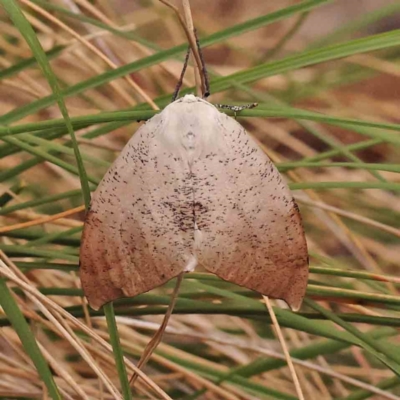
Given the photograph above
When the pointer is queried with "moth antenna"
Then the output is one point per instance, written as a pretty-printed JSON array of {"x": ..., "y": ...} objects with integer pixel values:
[
  {"x": 236, "y": 109},
  {"x": 204, "y": 72},
  {"x": 180, "y": 81},
  {"x": 156, "y": 339}
]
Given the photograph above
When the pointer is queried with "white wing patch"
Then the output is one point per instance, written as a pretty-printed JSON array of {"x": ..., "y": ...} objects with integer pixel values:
[{"x": 191, "y": 186}]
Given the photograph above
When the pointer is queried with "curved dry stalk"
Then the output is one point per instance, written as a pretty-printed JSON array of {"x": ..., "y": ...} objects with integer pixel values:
[{"x": 152, "y": 345}]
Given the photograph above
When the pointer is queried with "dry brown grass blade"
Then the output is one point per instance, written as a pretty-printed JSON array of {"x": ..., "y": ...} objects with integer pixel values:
[
  {"x": 375, "y": 63},
  {"x": 368, "y": 221},
  {"x": 252, "y": 347},
  {"x": 49, "y": 307},
  {"x": 59, "y": 325},
  {"x": 187, "y": 25},
  {"x": 284, "y": 348},
  {"x": 164, "y": 66},
  {"x": 42, "y": 220},
  {"x": 32, "y": 216},
  {"x": 92, "y": 48},
  {"x": 222, "y": 392},
  {"x": 55, "y": 364}
]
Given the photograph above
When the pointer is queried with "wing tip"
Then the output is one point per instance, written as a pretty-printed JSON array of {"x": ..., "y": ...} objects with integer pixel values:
[
  {"x": 292, "y": 293},
  {"x": 295, "y": 304},
  {"x": 97, "y": 296},
  {"x": 94, "y": 304},
  {"x": 297, "y": 289}
]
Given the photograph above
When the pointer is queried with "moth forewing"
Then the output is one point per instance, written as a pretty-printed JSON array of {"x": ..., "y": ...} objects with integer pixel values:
[
  {"x": 133, "y": 239},
  {"x": 191, "y": 185}
]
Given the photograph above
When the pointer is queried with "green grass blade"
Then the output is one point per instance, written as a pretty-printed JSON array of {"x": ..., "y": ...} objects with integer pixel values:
[
  {"x": 311, "y": 57},
  {"x": 39, "y": 151},
  {"x": 314, "y": 130},
  {"x": 162, "y": 56},
  {"x": 20, "y": 250},
  {"x": 29, "y": 62},
  {"x": 368, "y": 166},
  {"x": 358, "y": 24},
  {"x": 49, "y": 146},
  {"x": 322, "y": 348},
  {"x": 365, "y": 394},
  {"x": 26, "y": 30},
  {"x": 263, "y": 111},
  {"x": 390, "y": 358},
  {"x": 362, "y": 145},
  {"x": 345, "y": 185},
  {"x": 27, "y": 338},
  {"x": 38, "y": 202},
  {"x": 118, "y": 354}
]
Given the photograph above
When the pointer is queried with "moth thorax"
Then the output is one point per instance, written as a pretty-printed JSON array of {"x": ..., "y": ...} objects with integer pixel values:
[{"x": 188, "y": 141}]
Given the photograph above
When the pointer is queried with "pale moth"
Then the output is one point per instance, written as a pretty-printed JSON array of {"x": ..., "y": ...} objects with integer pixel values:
[{"x": 190, "y": 188}]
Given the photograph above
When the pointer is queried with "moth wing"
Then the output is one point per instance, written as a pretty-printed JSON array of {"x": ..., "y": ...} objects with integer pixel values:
[
  {"x": 249, "y": 226},
  {"x": 133, "y": 239}
]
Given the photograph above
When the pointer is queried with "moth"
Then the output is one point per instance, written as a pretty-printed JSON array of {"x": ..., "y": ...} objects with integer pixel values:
[{"x": 191, "y": 187}]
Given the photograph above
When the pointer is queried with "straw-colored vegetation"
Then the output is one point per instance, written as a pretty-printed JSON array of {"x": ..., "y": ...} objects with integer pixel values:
[{"x": 326, "y": 77}]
